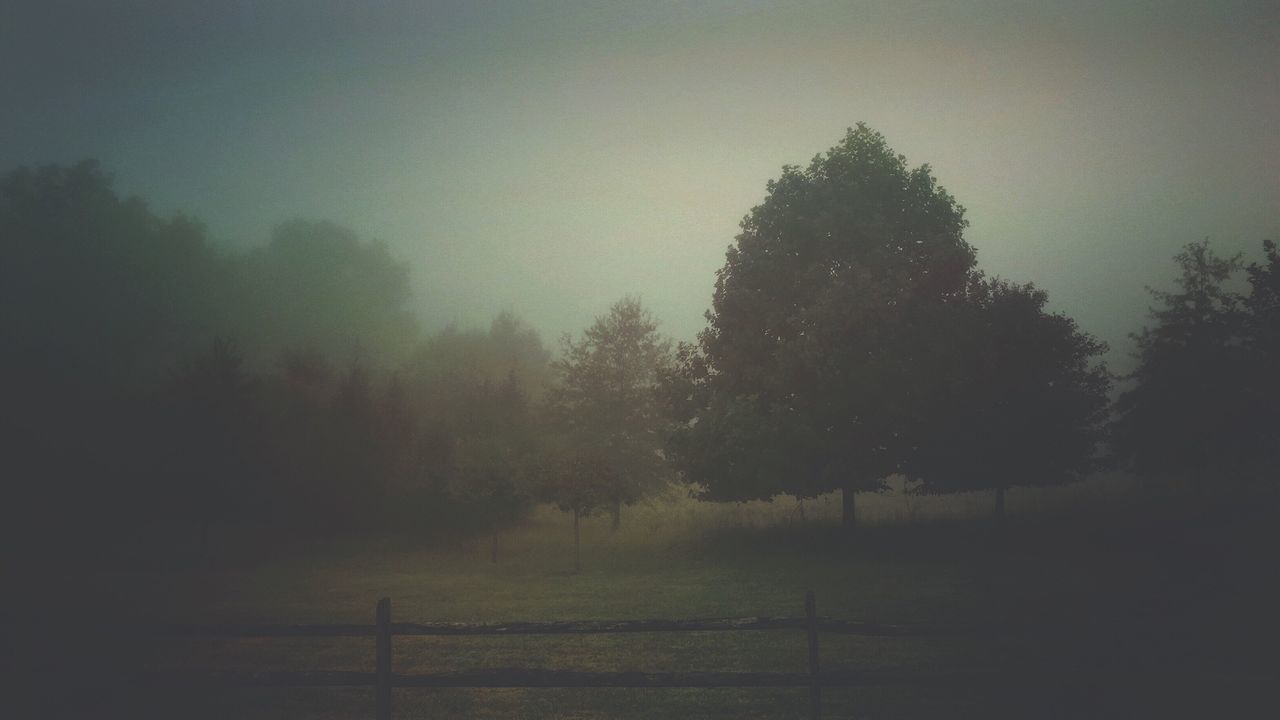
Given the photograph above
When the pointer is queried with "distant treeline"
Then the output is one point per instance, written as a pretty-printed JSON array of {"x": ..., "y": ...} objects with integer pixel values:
[
  {"x": 158, "y": 388},
  {"x": 156, "y": 384}
]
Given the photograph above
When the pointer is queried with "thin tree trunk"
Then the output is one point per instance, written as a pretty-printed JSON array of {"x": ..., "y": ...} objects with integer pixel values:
[
  {"x": 577, "y": 542},
  {"x": 616, "y": 519},
  {"x": 847, "y": 519}
]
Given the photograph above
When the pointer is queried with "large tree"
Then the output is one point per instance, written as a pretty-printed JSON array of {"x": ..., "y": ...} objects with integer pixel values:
[
  {"x": 1023, "y": 399},
  {"x": 99, "y": 296},
  {"x": 606, "y": 401},
  {"x": 1186, "y": 412},
  {"x": 815, "y": 360}
]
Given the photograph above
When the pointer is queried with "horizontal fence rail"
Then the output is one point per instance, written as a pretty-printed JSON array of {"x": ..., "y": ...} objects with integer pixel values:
[
  {"x": 383, "y": 680},
  {"x": 534, "y": 678},
  {"x": 569, "y": 627}
]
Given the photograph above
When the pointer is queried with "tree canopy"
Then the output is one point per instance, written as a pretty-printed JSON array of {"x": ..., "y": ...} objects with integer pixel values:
[
  {"x": 813, "y": 357},
  {"x": 606, "y": 405},
  {"x": 1186, "y": 409},
  {"x": 1203, "y": 400},
  {"x": 1024, "y": 398},
  {"x": 318, "y": 285},
  {"x": 1263, "y": 338}
]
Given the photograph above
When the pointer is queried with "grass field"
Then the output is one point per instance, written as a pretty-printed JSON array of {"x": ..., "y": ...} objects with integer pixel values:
[{"x": 1171, "y": 605}]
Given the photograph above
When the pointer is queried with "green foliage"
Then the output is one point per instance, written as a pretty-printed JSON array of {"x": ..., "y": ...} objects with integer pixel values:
[
  {"x": 98, "y": 297},
  {"x": 508, "y": 350},
  {"x": 606, "y": 406},
  {"x": 92, "y": 284},
  {"x": 1262, "y": 432},
  {"x": 1023, "y": 398},
  {"x": 1263, "y": 302},
  {"x": 471, "y": 394},
  {"x": 821, "y": 327},
  {"x": 1186, "y": 408},
  {"x": 492, "y": 462},
  {"x": 316, "y": 284},
  {"x": 576, "y": 479}
]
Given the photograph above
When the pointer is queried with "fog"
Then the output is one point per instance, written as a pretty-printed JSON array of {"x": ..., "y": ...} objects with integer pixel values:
[
  {"x": 884, "y": 321},
  {"x": 550, "y": 157}
]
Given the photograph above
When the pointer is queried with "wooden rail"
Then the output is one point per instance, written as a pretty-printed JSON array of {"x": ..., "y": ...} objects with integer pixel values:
[
  {"x": 383, "y": 679},
  {"x": 567, "y": 627}
]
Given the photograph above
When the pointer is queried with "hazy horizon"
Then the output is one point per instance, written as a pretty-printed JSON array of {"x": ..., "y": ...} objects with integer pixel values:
[{"x": 548, "y": 158}]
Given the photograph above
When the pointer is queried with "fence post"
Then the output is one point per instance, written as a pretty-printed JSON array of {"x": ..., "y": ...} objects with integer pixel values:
[
  {"x": 382, "y": 654},
  {"x": 811, "y": 623}
]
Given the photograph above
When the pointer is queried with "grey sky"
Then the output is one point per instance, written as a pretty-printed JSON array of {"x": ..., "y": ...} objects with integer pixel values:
[{"x": 551, "y": 157}]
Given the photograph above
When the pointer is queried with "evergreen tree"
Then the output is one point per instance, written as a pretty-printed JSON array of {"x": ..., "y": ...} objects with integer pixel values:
[{"x": 1186, "y": 410}]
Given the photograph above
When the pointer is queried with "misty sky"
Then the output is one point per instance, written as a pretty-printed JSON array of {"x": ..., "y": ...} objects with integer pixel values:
[{"x": 551, "y": 157}]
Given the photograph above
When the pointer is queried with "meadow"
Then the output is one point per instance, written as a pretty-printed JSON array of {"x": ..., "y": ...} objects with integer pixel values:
[{"x": 1100, "y": 605}]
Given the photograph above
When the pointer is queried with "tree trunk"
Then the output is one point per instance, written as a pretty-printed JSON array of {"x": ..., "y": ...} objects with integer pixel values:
[
  {"x": 493, "y": 547},
  {"x": 616, "y": 519},
  {"x": 847, "y": 519},
  {"x": 577, "y": 542}
]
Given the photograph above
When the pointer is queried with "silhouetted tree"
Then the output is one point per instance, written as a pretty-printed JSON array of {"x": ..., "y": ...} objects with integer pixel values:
[
  {"x": 493, "y": 460},
  {"x": 606, "y": 400},
  {"x": 99, "y": 297},
  {"x": 216, "y": 433},
  {"x": 471, "y": 393},
  {"x": 97, "y": 280},
  {"x": 396, "y": 431},
  {"x": 1024, "y": 397},
  {"x": 318, "y": 285},
  {"x": 508, "y": 349},
  {"x": 1263, "y": 346},
  {"x": 1187, "y": 410},
  {"x": 356, "y": 481},
  {"x": 300, "y": 433},
  {"x": 818, "y": 318}
]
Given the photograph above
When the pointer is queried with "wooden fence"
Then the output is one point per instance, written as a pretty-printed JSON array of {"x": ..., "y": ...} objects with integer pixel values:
[{"x": 382, "y": 679}]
